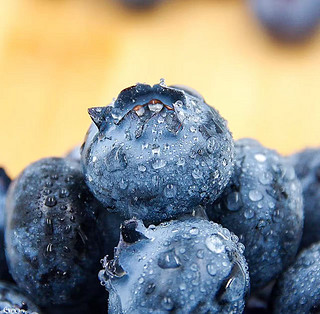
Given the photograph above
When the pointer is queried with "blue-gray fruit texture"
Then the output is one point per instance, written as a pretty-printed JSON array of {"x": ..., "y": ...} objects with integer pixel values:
[
  {"x": 13, "y": 301},
  {"x": 53, "y": 238},
  {"x": 307, "y": 166},
  {"x": 298, "y": 289},
  {"x": 288, "y": 19},
  {"x": 263, "y": 206},
  {"x": 157, "y": 152},
  {"x": 4, "y": 184},
  {"x": 183, "y": 266}
]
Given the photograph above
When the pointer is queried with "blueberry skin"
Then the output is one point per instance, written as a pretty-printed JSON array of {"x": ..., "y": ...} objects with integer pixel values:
[
  {"x": 298, "y": 288},
  {"x": 307, "y": 166},
  {"x": 186, "y": 266},
  {"x": 53, "y": 238},
  {"x": 13, "y": 301},
  {"x": 263, "y": 206},
  {"x": 156, "y": 153},
  {"x": 4, "y": 184},
  {"x": 288, "y": 20}
]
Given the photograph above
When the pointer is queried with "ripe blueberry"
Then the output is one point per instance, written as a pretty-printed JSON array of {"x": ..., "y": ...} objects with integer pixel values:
[
  {"x": 263, "y": 206},
  {"x": 53, "y": 238},
  {"x": 157, "y": 152},
  {"x": 186, "y": 266},
  {"x": 307, "y": 166}
]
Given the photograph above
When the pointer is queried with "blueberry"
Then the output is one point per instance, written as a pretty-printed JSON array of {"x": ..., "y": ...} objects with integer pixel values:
[
  {"x": 297, "y": 290},
  {"x": 156, "y": 153},
  {"x": 13, "y": 301},
  {"x": 263, "y": 206},
  {"x": 140, "y": 4},
  {"x": 53, "y": 238},
  {"x": 4, "y": 184},
  {"x": 307, "y": 166},
  {"x": 184, "y": 266},
  {"x": 288, "y": 19}
]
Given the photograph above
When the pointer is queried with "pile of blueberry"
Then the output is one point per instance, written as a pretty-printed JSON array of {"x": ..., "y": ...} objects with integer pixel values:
[
  {"x": 182, "y": 218},
  {"x": 286, "y": 20}
]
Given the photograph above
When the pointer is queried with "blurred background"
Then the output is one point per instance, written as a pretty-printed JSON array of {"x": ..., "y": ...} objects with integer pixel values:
[{"x": 60, "y": 57}]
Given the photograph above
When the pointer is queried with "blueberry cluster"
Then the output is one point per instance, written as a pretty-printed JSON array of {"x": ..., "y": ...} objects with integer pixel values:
[{"x": 182, "y": 218}]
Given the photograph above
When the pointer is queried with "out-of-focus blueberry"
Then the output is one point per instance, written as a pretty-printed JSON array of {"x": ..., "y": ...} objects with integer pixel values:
[{"x": 288, "y": 19}]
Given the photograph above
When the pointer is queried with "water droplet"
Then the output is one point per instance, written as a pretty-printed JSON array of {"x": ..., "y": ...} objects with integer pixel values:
[
  {"x": 193, "y": 129},
  {"x": 155, "y": 149},
  {"x": 181, "y": 161},
  {"x": 167, "y": 303},
  {"x": 63, "y": 193},
  {"x": 47, "y": 191},
  {"x": 170, "y": 191},
  {"x": 216, "y": 174},
  {"x": 211, "y": 145},
  {"x": 116, "y": 159},
  {"x": 233, "y": 287},
  {"x": 248, "y": 213},
  {"x": 194, "y": 230},
  {"x": 156, "y": 107},
  {"x": 260, "y": 157},
  {"x": 49, "y": 248},
  {"x": 234, "y": 202},
  {"x": 277, "y": 217},
  {"x": 50, "y": 201},
  {"x": 194, "y": 267},
  {"x": 183, "y": 286},
  {"x": 159, "y": 163},
  {"x": 255, "y": 195},
  {"x": 200, "y": 254},
  {"x": 211, "y": 269},
  {"x": 214, "y": 244},
  {"x": 140, "y": 112},
  {"x": 150, "y": 288},
  {"x": 265, "y": 178},
  {"x": 141, "y": 280},
  {"x": 142, "y": 168},
  {"x": 197, "y": 174},
  {"x": 169, "y": 260}
]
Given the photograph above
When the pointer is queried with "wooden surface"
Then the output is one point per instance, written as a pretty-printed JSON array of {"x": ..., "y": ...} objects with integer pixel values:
[{"x": 59, "y": 57}]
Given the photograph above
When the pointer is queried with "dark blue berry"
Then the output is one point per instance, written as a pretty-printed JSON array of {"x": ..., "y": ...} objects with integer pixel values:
[
  {"x": 307, "y": 166},
  {"x": 288, "y": 19},
  {"x": 298, "y": 289},
  {"x": 140, "y": 4},
  {"x": 4, "y": 184},
  {"x": 186, "y": 266},
  {"x": 263, "y": 206},
  {"x": 53, "y": 233},
  {"x": 157, "y": 152},
  {"x": 13, "y": 301}
]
